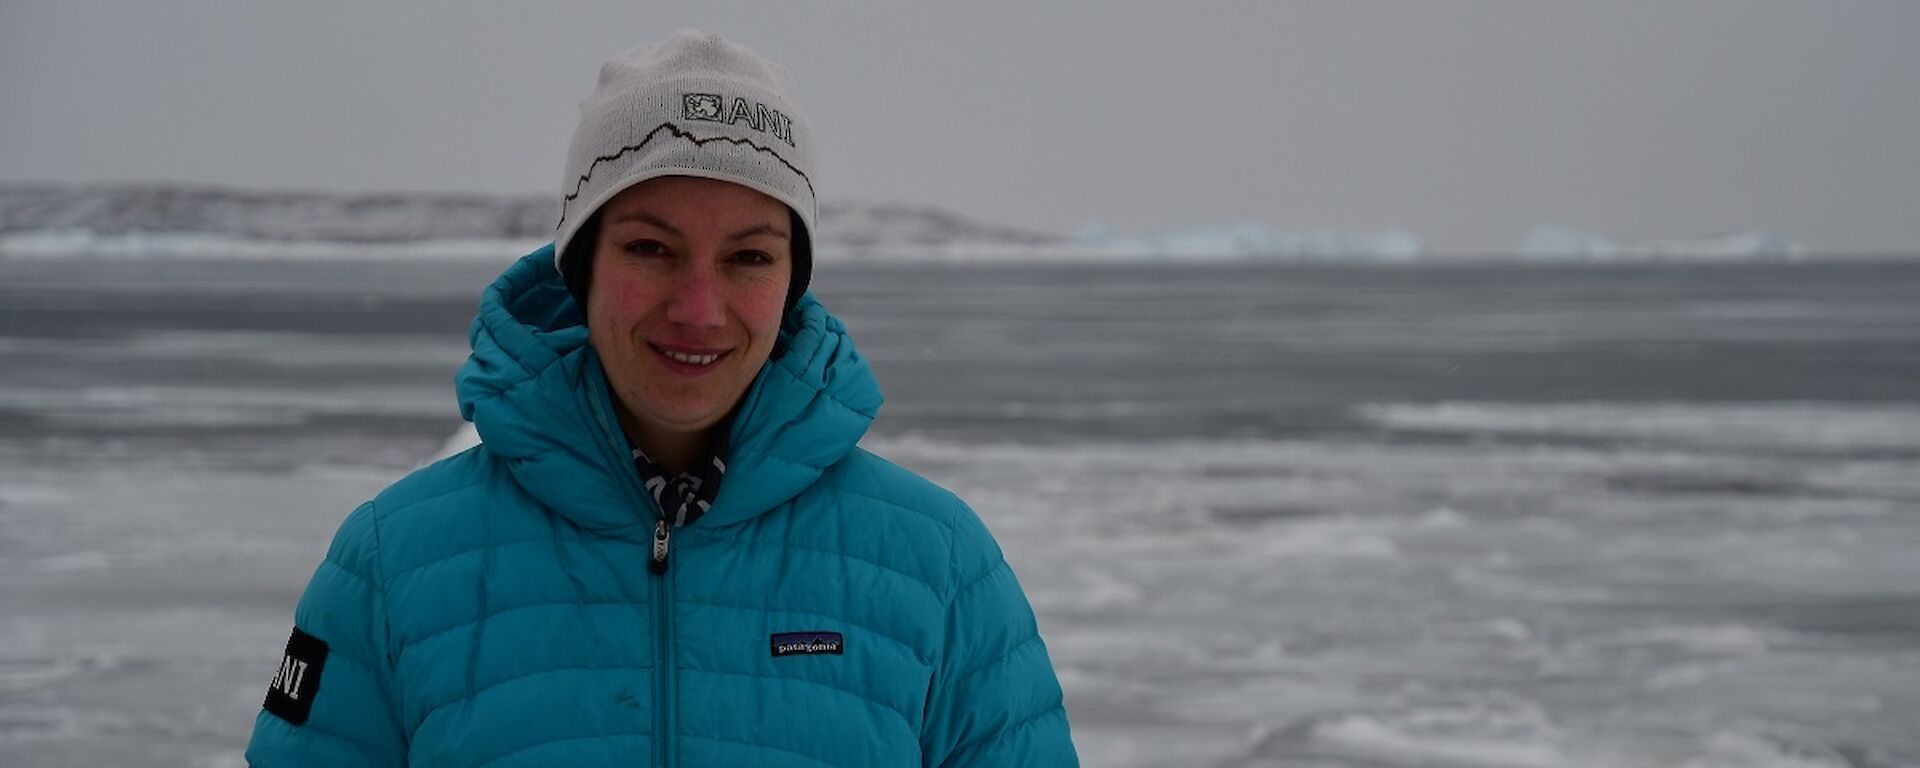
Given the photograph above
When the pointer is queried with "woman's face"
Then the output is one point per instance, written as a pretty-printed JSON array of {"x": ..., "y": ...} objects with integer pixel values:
[{"x": 689, "y": 280}]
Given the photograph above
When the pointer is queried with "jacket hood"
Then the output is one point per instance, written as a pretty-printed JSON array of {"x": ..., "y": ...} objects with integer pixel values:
[{"x": 536, "y": 393}]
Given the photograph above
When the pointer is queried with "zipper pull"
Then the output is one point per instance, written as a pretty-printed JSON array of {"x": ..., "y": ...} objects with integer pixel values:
[{"x": 660, "y": 533}]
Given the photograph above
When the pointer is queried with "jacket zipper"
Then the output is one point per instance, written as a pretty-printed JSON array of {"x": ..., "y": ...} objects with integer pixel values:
[
  {"x": 661, "y": 534},
  {"x": 662, "y": 587},
  {"x": 663, "y": 634}
]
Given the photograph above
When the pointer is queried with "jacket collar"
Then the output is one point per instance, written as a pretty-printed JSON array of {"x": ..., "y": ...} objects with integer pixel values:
[{"x": 536, "y": 393}]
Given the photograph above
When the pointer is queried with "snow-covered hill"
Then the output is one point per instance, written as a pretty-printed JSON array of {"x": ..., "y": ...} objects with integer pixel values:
[
  {"x": 153, "y": 209},
  {"x": 179, "y": 220},
  {"x": 162, "y": 220}
]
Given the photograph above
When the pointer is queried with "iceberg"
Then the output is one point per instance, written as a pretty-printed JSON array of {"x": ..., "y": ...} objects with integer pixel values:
[
  {"x": 1253, "y": 241},
  {"x": 1553, "y": 243}
]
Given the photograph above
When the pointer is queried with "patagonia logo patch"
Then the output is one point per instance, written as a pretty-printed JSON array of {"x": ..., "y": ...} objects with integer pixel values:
[
  {"x": 808, "y": 643},
  {"x": 297, "y": 681}
]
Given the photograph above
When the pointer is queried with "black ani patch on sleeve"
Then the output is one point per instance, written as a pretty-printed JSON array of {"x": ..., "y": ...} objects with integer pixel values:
[{"x": 290, "y": 696}]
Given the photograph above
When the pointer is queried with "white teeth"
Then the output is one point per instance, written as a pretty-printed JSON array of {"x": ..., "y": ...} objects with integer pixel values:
[{"x": 690, "y": 359}]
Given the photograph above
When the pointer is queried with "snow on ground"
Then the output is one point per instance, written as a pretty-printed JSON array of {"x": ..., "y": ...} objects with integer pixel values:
[{"x": 1507, "y": 577}]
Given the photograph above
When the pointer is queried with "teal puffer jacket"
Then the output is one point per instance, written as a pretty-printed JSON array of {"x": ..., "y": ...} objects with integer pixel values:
[{"x": 497, "y": 608}]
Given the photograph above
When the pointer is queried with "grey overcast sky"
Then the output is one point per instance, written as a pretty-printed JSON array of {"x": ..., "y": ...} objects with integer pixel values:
[{"x": 1464, "y": 121}]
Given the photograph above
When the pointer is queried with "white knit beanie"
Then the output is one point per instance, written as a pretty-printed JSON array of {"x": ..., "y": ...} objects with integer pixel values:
[{"x": 692, "y": 105}]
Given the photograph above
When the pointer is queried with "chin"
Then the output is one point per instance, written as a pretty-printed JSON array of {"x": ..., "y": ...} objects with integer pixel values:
[{"x": 688, "y": 417}]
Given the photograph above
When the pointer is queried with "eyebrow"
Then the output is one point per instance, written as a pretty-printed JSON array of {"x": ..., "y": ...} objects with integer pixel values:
[{"x": 650, "y": 219}]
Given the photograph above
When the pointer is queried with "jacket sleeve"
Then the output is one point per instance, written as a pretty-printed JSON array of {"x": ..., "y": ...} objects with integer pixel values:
[
  {"x": 994, "y": 699},
  {"x": 349, "y": 710}
]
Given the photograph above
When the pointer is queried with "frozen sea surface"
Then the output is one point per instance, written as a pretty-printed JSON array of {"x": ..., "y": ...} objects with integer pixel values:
[{"x": 1276, "y": 516}]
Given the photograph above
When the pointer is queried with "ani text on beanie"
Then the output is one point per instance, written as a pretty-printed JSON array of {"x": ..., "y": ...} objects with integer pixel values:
[{"x": 692, "y": 105}]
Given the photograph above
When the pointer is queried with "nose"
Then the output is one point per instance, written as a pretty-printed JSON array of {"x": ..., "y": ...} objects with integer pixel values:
[{"x": 698, "y": 300}]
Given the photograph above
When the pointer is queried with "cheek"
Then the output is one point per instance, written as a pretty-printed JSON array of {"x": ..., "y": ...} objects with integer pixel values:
[
  {"x": 760, "y": 305},
  {"x": 601, "y": 334},
  {"x": 619, "y": 298}
]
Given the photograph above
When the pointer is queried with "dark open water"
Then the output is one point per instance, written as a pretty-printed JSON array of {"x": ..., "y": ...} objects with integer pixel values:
[{"x": 1629, "y": 515}]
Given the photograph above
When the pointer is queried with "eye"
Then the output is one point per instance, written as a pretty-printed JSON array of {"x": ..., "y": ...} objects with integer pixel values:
[
  {"x": 753, "y": 258},
  {"x": 645, "y": 248}
]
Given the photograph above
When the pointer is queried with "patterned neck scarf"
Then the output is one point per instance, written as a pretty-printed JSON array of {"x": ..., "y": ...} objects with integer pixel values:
[{"x": 683, "y": 498}]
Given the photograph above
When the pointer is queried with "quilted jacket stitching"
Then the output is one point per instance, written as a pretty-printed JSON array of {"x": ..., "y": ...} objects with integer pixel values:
[
  {"x": 838, "y": 555},
  {"x": 991, "y": 570},
  {"x": 383, "y": 615},
  {"x": 490, "y": 615},
  {"x": 409, "y": 570},
  {"x": 904, "y": 645},
  {"x": 359, "y": 744},
  {"x": 1008, "y": 731},
  {"x": 876, "y": 703},
  {"x": 784, "y": 364},
  {"x": 999, "y": 659},
  {"x": 408, "y": 504},
  {"x": 942, "y": 520},
  {"x": 475, "y": 693},
  {"x": 768, "y": 747},
  {"x": 648, "y": 734},
  {"x": 939, "y": 520}
]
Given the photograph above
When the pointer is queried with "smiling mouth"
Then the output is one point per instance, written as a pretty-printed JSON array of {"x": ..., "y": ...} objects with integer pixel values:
[{"x": 696, "y": 359}]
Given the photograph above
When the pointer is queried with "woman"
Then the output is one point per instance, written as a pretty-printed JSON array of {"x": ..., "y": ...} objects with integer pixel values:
[{"x": 667, "y": 550}]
